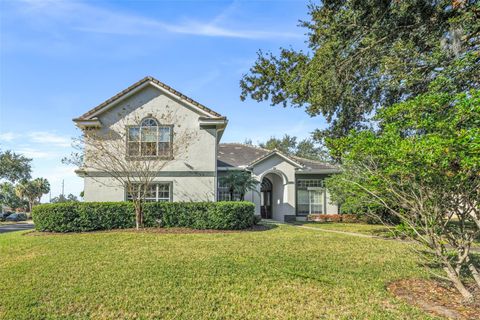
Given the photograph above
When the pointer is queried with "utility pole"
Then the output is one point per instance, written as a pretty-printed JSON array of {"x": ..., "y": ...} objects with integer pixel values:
[{"x": 63, "y": 187}]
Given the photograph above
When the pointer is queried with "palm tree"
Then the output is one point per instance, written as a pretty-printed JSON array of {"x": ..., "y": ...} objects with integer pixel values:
[
  {"x": 240, "y": 182},
  {"x": 42, "y": 186},
  {"x": 32, "y": 190}
]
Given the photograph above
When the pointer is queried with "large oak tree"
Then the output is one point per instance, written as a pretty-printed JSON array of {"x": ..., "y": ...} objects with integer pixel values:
[{"x": 363, "y": 54}]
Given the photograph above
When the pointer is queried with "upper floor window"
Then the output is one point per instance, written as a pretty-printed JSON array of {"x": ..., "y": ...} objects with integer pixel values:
[{"x": 149, "y": 139}]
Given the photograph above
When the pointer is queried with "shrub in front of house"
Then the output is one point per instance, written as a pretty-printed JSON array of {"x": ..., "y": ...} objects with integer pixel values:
[{"x": 90, "y": 216}]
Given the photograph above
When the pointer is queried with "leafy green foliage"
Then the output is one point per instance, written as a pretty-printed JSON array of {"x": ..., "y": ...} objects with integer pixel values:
[
  {"x": 9, "y": 198},
  {"x": 61, "y": 198},
  {"x": 423, "y": 166},
  {"x": 239, "y": 182},
  {"x": 14, "y": 167},
  {"x": 366, "y": 54},
  {"x": 32, "y": 190},
  {"x": 306, "y": 148},
  {"x": 89, "y": 216}
]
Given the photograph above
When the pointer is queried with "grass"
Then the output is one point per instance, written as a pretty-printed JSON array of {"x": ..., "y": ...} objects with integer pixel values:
[
  {"x": 283, "y": 273},
  {"x": 370, "y": 229}
]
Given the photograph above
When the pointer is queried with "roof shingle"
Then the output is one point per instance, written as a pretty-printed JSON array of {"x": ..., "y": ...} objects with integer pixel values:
[{"x": 232, "y": 155}]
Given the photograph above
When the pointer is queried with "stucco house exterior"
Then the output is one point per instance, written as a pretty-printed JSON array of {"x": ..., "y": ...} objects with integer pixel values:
[{"x": 290, "y": 188}]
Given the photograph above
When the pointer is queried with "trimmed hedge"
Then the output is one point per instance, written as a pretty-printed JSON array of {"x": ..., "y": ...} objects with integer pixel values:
[{"x": 89, "y": 216}]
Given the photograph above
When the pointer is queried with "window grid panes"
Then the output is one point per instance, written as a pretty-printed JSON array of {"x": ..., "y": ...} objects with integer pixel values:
[
  {"x": 156, "y": 192},
  {"x": 149, "y": 140},
  {"x": 310, "y": 183},
  {"x": 310, "y": 196},
  {"x": 224, "y": 193}
]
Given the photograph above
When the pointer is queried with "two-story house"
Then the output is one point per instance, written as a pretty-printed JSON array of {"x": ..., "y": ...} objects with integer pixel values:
[{"x": 155, "y": 116}]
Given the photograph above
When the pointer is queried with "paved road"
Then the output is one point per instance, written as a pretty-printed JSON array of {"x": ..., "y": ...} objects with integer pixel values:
[{"x": 15, "y": 227}]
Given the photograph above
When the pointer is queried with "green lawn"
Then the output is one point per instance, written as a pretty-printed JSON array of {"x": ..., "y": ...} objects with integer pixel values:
[
  {"x": 283, "y": 273},
  {"x": 370, "y": 229}
]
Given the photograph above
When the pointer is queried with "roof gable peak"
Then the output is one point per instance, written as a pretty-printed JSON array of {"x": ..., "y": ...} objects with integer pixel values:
[{"x": 148, "y": 80}]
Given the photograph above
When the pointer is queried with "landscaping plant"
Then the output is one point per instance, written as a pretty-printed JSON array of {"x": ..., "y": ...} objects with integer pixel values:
[{"x": 422, "y": 164}]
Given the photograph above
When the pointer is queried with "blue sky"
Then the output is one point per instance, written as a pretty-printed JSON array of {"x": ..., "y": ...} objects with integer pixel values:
[{"x": 59, "y": 59}]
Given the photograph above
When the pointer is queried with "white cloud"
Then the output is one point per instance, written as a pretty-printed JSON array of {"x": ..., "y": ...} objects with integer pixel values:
[
  {"x": 7, "y": 136},
  {"x": 35, "y": 153},
  {"x": 50, "y": 139},
  {"x": 88, "y": 18}
]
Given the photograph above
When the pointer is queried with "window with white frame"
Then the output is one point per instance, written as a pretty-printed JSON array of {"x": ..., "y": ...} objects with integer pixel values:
[
  {"x": 155, "y": 192},
  {"x": 224, "y": 192},
  {"x": 306, "y": 183},
  {"x": 310, "y": 196},
  {"x": 149, "y": 139}
]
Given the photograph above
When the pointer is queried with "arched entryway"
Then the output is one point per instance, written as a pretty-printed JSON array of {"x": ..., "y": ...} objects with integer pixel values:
[{"x": 266, "y": 198}]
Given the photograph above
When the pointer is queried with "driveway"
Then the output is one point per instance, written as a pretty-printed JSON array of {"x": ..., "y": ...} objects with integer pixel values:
[{"x": 15, "y": 227}]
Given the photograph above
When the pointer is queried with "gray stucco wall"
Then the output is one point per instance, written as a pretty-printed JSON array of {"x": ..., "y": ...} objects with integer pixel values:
[{"x": 195, "y": 150}]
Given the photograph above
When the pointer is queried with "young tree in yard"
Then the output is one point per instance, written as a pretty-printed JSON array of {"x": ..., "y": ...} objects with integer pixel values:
[
  {"x": 240, "y": 182},
  {"x": 132, "y": 151},
  {"x": 423, "y": 165},
  {"x": 14, "y": 167},
  {"x": 365, "y": 54},
  {"x": 32, "y": 190}
]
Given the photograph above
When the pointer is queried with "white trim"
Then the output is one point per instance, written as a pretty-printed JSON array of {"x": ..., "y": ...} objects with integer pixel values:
[
  {"x": 88, "y": 123},
  {"x": 142, "y": 86},
  {"x": 275, "y": 152},
  {"x": 317, "y": 171},
  {"x": 277, "y": 172},
  {"x": 231, "y": 168}
]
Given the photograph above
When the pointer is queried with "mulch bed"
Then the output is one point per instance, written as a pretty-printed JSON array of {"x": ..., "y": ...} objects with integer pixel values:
[
  {"x": 439, "y": 299},
  {"x": 172, "y": 230}
]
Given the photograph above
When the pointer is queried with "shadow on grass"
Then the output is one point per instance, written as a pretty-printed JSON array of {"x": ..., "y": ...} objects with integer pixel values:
[{"x": 164, "y": 230}]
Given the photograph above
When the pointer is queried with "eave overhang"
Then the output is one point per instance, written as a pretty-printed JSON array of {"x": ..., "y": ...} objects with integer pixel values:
[{"x": 87, "y": 123}]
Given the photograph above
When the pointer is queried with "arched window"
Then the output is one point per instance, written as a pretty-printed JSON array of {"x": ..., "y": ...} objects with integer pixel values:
[{"x": 149, "y": 139}]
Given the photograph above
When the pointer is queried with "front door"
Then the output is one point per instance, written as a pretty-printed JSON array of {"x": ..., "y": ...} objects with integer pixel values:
[{"x": 266, "y": 199}]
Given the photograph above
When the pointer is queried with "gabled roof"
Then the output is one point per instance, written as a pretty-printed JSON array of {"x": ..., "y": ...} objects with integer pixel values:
[
  {"x": 277, "y": 153},
  {"x": 238, "y": 155},
  {"x": 91, "y": 114}
]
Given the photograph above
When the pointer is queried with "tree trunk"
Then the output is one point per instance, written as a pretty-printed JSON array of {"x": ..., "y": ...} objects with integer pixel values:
[
  {"x": 138, "y": 215},
  {"x": 467, "y": 295},
  {"x": 231, "y": 194},
  {"x": 473, "y": 271}
]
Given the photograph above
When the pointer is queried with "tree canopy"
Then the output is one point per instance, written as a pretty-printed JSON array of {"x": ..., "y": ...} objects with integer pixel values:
[
  {"x": 363, "y": 54},
  {"x": 14, "y": 167},
  {"x": 306, "y": 148},
  {"x": 32, "y": 190},
  {"x": 61, "y": 198},
  {"x": 9, "y": 198}
]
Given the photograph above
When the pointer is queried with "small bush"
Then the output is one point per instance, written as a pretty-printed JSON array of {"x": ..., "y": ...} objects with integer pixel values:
[{"x": 89, "y": 216}]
